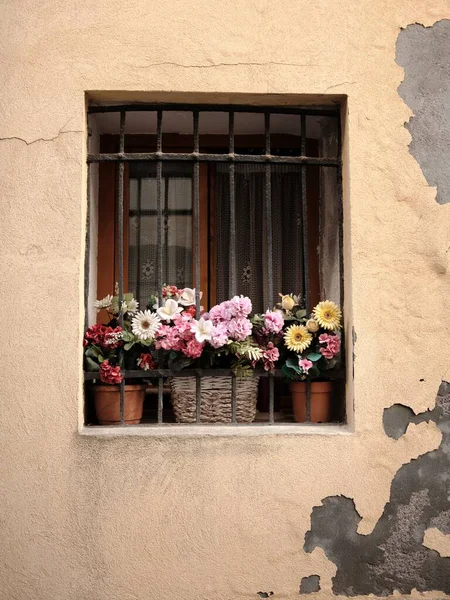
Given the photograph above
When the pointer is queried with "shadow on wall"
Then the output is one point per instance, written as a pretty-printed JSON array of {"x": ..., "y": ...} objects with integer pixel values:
[{"x": 393, "y": 557}]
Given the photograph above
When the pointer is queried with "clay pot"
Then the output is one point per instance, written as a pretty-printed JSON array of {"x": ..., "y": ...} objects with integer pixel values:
[
  {"x": 107, "y": 404},
  {"x": 321, "y": 397}
]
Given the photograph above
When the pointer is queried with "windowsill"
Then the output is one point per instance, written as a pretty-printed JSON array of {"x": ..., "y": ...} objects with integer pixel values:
[{"x": 181, "y": 430}]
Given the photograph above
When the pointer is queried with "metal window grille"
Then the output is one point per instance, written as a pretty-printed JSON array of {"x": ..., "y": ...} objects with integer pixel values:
[{"x": 231, "y": 158}]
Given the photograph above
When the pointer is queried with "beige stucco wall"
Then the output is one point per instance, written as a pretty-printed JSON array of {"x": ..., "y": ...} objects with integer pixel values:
[{"x": 202, "y": 517}]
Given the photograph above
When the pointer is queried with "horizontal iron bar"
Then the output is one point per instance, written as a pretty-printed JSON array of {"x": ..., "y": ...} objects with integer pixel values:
[
  {"x": 292, "y": 110},
  {"x": 222, "y": 158},
  {"x": 141, "y": 374}
]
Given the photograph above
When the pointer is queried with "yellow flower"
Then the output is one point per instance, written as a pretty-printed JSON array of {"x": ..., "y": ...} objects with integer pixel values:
[
  {"x": 312, "y": 325},
  {"x": 328, "y": 315},
  {"x": 287, "y": 302},
  {"x": 297, "y": 338}
]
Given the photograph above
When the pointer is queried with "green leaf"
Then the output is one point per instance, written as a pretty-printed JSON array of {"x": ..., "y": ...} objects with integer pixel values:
[
  {"x": 127, "y": 336},
  {"x": 91, "y": 365},
  {"x": 179, "y": 362},
  {"x": 301, "y": 314},
  {"x": 128, "y": 345},
  {"x": 314, "y": 356},
  {"x": 292, "y": 364},
  {"x": 93, "y": 352}
]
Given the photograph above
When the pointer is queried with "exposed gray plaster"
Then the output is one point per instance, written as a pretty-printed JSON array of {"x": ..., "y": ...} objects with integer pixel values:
[
  {"x": 393, "y": 556},
  {"x": 424, "y": 53},
  {"x": 309, "y": 585}
]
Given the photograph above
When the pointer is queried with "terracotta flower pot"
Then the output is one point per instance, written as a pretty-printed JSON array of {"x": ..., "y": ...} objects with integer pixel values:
[
  {"x": 107, "y": 404},
  {"x": 321, "y": 396}
]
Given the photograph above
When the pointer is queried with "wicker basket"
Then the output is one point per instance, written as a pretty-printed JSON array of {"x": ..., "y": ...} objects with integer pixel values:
[{"x": 215, "y": 404}]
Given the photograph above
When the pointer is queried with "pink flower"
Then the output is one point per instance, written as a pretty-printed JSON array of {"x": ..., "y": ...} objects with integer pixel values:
[
  {"x": 110, "y": 374},
  {"x": 193, "y": 349},
  {"x": 273, "y": 321},
  {"x": 221, "y": 312},
  {"x": 240, "y": 306},
  {"x": 239, "y": 329},
  {"x": 219, "y": 335},
  {"x": 304, "y": 364},
  {"x": 270, "y": 356},
  {"x": 333, "y": 345}
]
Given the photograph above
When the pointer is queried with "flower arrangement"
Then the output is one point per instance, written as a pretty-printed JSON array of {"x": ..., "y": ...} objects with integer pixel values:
[
  {"x": 310, "y": 343},
  {"x": 170, "y": 336},
  {"x": 110, "y": 348},
  {"x": 220, "y": 338}
]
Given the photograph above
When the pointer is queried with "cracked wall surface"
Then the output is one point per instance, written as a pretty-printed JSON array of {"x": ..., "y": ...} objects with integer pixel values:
[{"x": 205, "y": 518}]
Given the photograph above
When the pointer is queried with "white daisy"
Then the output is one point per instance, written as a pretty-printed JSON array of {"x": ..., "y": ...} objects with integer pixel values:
[
  {"x": 105, "y": 302},
  {"x": 202, "y": 330},
  {"x": 169, "y": 310},
  {"x": 145, "y": 324}
]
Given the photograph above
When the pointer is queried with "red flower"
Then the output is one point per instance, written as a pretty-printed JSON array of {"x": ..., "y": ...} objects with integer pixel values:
[
  {"x": 191, "y": 310},
  {"x": 110, "y": 374},
  {"x": 145, "y": 361}
]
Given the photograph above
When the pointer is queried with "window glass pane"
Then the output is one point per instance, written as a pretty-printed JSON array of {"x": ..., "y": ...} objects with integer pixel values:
[{"x": 176, "y": 230}]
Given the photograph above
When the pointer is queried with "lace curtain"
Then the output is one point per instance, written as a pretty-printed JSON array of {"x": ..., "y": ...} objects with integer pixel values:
[{"x": 251, "y": 232}]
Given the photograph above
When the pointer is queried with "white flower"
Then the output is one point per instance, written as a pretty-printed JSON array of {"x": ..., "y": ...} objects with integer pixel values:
[
  {"x": 145, "y": 324},
  {"x": 169, "y": 310},
  {"x": 202, "y": 329},
  {"x": 105, "y": 302},
  {"x": 132, "y": 305},
  {"x": 187, "y": 297}
]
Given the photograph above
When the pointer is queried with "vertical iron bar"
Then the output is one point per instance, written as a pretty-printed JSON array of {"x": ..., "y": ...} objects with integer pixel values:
[
  {"x": 196, "y": 210},
  {"x": 340, "y": 199},
  {"x": 88, "y": 238},
  {"x": 233, "y": 398},
  {"x": 306, "y": 290},
  {"x": 159, "y": 258},
  {"x": 138, "y": 257},
  {"x": 166, "y": 232},
  {"x": 120, "y": 255},
  {"x": 198, "y": 397},
  {"x": 159, "y": 267},
  {"x": 160, "y": 400},
  {"x": 268, "y": 203},
  {"x": 231, "y": 172}
]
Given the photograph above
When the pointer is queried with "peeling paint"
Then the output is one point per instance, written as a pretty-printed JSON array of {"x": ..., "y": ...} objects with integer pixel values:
[
  {"x": 309, "y": 585},
  {"x": 424, "y": 53},
  {"x": 393, "y": 557}
]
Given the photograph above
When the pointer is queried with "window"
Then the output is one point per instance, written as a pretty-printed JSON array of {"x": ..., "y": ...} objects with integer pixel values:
[{"x": 227, "y": 199}]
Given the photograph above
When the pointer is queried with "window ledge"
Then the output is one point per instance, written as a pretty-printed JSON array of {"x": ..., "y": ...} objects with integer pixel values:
[{"x": 244, "y": 430}]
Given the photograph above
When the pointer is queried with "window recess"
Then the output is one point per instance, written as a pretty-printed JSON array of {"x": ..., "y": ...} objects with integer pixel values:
[{"x": 226, "y": 199}]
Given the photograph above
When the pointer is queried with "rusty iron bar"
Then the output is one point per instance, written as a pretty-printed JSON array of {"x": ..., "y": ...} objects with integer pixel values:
[
  {"x": 120, "y": 256},
  {"x": 196, "y": 157},
  {"x": 155, "y": 373},
  {"x": 323, "y": 111}
]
